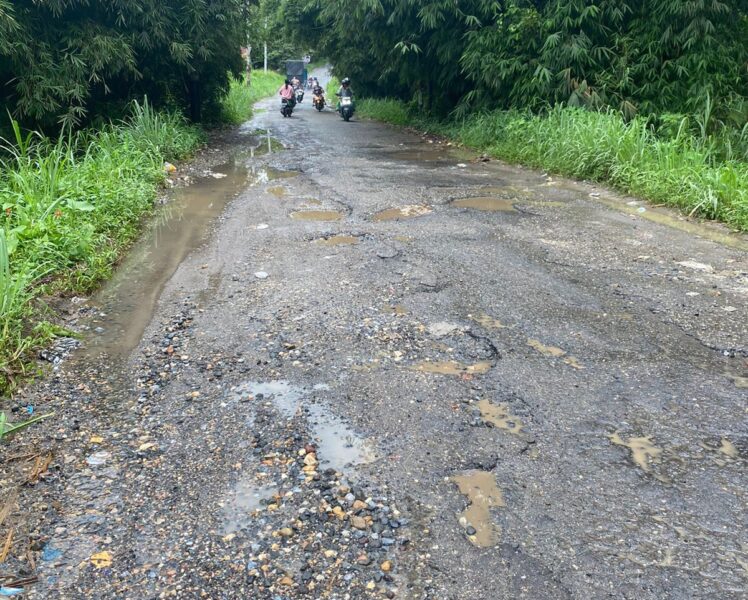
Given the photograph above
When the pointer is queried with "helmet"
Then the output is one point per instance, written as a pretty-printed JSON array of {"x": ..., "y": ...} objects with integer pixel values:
[
  {"x": 346, "y": 81},
  {"x": 288, "y": 82}
]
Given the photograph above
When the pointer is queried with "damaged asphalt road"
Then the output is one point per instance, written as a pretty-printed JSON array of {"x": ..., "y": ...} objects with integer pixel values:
[{"x": 394, "y": 372}]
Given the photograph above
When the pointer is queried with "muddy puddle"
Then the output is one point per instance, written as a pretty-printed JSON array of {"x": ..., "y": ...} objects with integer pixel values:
[
  {"x": 245, "y": 500},
  {"x": 277, "y": 191},
  {"x": 266, "y": 174},
  {"x": 129, "y": 298},
  {"x": 317, "y": 215},
  {"x": 486, "y": 203},
  {"x": 451, "y": 367},
  {"x": 482, "y": 494},
  {"x": 338, "y": 446},
  {"x": 555, "y": 352},
  {"x": 499, "y": 416},
  {"x": 338, "y": 240},
  {"x": 487, "y": 321},
  {"x": 643, "y": 451},
  {"x": 402, "y": 212}
]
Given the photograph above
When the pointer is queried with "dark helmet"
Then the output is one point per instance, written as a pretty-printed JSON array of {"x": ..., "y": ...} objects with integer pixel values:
[
  {"x": 288, "y": 82},
  {"x": 346, "y": 81}
]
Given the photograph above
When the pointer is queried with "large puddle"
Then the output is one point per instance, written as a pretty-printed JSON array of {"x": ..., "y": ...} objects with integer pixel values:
[
  {"x": 482, "y": 494},
  {"x": 129, "y": 299},
  {"x": 338, "y": 446}
]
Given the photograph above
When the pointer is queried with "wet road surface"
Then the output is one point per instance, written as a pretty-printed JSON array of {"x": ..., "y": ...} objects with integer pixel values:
[{"x": 393, "y": 371}]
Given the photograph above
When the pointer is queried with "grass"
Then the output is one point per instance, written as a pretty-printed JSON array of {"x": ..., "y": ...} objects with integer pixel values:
[
  {"x": 237, "y": 105},
  {"x": 69, "y": 208},
  {"x": 695, "y": 173}
]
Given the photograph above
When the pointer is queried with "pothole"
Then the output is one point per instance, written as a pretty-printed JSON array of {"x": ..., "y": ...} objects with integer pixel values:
[
  {"x": 402, "y": 212},
  {"x": 452, "y": 367},
  {"x": 643, "y": 451},
  {"x": 555, "y": 352},
  {"x": 338, "y": 240},
  {"x": 486, "y": 203},
  {"x": 317, "y": 215},
  {"x": 246, "y": 499},
  {"x": 499, "y": 416},
  {"x": 277, "y": 191},
  {"x": 482, "y": 494}
]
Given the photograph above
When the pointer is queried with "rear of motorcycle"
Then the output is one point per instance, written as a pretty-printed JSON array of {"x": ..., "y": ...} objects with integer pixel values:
[
  {"x": 346, "y": 108},
  {"x": 286, "y": 107}
]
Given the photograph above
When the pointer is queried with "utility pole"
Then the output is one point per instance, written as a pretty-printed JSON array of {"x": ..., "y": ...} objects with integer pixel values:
[{"x": 266, "y": 45}]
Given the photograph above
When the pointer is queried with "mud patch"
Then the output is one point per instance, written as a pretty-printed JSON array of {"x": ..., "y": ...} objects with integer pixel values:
[
  {"x": 499, "y": 416},
  {"x": 554, "y": 352},
  {"x": 317, "y": 215},
  {"x": 643, "y": 451},
  {"x": 403, "y": 212},
  {"x": 452, "y": 367},
  {"x": 338, "y": 240},
  {"x": 482, "y": 494},
  {"x": 486, "y": 204},
  {"x": 487, "y": 321}
]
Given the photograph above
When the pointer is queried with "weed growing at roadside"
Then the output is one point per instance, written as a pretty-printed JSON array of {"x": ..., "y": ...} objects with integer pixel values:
[
  {"x": 69, "y": 208},
  {"x": 236, "y": 106}
]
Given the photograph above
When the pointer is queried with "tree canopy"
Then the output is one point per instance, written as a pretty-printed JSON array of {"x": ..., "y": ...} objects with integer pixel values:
[
  {"x": 67, "y": 61},
  {"x": 636, "y": 55}
]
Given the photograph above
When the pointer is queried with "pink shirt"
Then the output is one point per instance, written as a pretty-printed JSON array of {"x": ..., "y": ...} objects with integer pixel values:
[{"x": 286, "y": 92}]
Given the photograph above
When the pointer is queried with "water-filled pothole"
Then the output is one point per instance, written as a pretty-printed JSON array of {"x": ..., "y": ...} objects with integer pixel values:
[
  {"x": 486, "y": 203},
  {"x": 499, "y": 416},
  {"x": 452, "y": 367},
  {"x": 338, "y": 240},
  {"x": 246, "y": 498},
  {"x": 402, "y": 212},
  {"x": 642, "y": 449},
  {"x": 317, "y": 215},
  {"x": 482, "y": 494}
]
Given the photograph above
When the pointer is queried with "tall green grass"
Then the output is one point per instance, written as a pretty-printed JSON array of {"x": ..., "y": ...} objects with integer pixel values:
[
  {"x": 236, "y": 106},
  {"x": 695, "y": 173},
  {"x": 69, "y": 208}
]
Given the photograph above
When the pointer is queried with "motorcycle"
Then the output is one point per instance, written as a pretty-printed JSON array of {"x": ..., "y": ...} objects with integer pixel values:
[
  {"x": 319, "y": 102},
  {"x": 299, "y": 94},
  {"x": 346, "y": 107},
  {"x": 286, "y": 107}
]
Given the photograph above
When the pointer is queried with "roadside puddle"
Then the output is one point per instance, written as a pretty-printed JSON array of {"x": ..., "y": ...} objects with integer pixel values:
[
  {"x": 452, "y": 367},
  {"x": 486, "y": 203},
  {"x": 246, "y": 499},
  {"x": 499, "y": 416},
  {"x": 338, "y": 240},
  {"x": 338, "y": 445},
  {"x": 403, "y": 212},
  {"x": 554, "y": 352},
  {"x": 317, "y": 215},
  {"x": 487, "y": 321},
  {"x": 739, "y": 381},
  {"x": 129, "y": 298},
  {"x": 642, "y": 449},
  {"x": 482, "y": 494}
]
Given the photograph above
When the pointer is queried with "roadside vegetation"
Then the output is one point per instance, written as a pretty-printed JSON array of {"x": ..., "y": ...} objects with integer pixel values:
[
  {"x": 236, "y": 106},
  {"x": 650, "y": 96}
]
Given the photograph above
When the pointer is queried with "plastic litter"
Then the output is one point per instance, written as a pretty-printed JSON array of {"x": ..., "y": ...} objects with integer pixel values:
[{"x": 9, "y": 591}]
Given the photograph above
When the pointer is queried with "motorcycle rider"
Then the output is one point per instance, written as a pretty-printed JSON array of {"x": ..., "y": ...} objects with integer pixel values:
[
  {"x": 295, "y": 82},
  {"x": 318, "y": 92},
  {"x": 286, "y": 92},
  {"x": 345, "y": 88}
]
